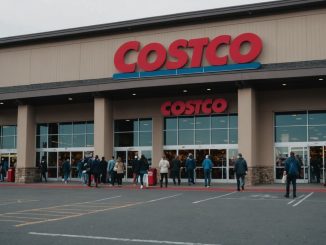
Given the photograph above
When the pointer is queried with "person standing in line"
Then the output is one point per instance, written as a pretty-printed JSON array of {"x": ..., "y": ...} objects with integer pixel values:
[
  {"x": 44, "y": 169},
  {"x": 110, "y": 171},
  {"x": 119, "y": 165},
  {"x": 135, "y": 170},
  {"x": 190, "y": 168},
  {"x": 89, "y": 170},
  {"x": 2, "y": 178},
  {"x": 164, "y": 169},
  {"x": 143, "y": 168},
  {"x": 80, "y": 166},
  {"x": 240, "y": 170},
  {"x": 292, "y": 169},
  {"x": 207, "y": 167},
  {"x": 96, "y": 170},
  {"x": 66, "y": 170},
  {"x": 104, "y": 166},
  {"x": 176, "y": 166}
]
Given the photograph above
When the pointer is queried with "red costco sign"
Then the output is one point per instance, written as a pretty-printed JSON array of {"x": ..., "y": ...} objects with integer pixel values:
[
  {"x": 177, "y": 57},
  {"x": 193, "y": 107}
]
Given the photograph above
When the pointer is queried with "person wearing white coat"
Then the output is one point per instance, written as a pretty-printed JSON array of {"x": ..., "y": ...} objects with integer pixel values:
[{"x": 164, "y": 169}]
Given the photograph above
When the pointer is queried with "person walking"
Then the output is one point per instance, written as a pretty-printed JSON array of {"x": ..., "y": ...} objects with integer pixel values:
[
  {"x": 240, "y": 169},
  {"x": 44, "y": 169},
  {"x": 207, "y": 167},
  {"x": 176, "y": 166},
  {"x": 292, "y": 169},
  {"x": 190, "y": 168},
  {"x": 143, "y": 168},
  {"x": 119, "y": 165},
  {"x": 66, "y": 170},
  {"x": 135, "y": 170},
  {"x": 164, "y": 169}
]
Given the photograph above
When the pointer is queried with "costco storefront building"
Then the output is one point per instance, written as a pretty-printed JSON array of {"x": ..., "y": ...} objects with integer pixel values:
[{"x": 247, "y": 79}]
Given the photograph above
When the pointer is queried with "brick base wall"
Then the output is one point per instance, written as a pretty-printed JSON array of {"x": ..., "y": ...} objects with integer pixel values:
[
  {"x": 260, "y": 175},
  {"x": 27, "y": 175}
]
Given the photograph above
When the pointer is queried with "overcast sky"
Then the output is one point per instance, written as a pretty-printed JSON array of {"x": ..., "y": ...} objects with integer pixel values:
[{"x": 19, "y": 17}]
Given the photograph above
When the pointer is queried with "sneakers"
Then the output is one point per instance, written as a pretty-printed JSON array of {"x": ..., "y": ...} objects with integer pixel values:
[
  {"x": 208, "y": 186},
  {"x": 141, "y": 187},
  {"x": 286, "y": 195}
]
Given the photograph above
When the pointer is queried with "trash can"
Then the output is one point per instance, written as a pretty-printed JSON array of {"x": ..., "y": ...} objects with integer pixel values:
[
  {"x": 152, "y": 176},
  {"x": 11, "y": 175}
]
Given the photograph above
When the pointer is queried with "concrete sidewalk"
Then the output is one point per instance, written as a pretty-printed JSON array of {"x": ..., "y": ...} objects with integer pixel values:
[{"x": 221, "y": 187}]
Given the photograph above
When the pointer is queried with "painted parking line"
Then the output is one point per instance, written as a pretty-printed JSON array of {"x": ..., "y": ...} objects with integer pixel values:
[
  {"x": 162, "y": 198},
  {"x": 302, "y": 199},
  {"x": 91, "y": 212},
  {"x": 211, "y": 198},
  {"x": 17, "y": 202},
  {"x": 118, "y": 239},
  {"x": 295, "y": 199}
]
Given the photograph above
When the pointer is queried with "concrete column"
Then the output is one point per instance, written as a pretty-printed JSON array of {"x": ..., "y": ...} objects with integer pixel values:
[
  {"x": 247, "y": 129},
  {"x": 103, "y": 128},
  {"x": 26, "y": 171},
  {"x": 157, "y": 139}
]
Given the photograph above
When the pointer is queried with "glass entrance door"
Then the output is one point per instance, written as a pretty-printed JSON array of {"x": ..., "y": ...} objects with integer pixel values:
[
  {"x": 300, "y": 154},
  {"x": 316, "y": 163},
  {"x": 127, "y": 155}
]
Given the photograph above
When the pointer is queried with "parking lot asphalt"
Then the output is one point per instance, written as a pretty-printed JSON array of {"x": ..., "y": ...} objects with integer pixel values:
[{"x": 55, "y": 213}]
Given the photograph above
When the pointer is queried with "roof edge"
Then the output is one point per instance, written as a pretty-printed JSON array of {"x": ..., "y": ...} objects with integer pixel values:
[{"x": 232, "y": 12}]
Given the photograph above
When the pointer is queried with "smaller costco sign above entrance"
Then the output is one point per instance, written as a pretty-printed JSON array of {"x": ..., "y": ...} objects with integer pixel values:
[
  {"x": 193, "y": 107},
  {"x": 186, "y": 56}
]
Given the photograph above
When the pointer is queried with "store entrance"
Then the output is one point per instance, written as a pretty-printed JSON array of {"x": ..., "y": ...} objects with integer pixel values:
[
  {"x": 55, "y": 161},
  {"x": 317, "y": 164},
  {"x": 128, "y": 154}
]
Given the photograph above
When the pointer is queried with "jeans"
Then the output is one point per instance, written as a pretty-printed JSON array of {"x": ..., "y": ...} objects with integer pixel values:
[
  {"x": 293, "y": 179},
  {"x": 207, "y": 175},
  {"x": 190, "y": 173},
  {"x": 164, "y": 175},
  {"x": 84, "y": 177},
  {"x": 240, "y": 181},
  {"x": 176, "y": 174},
  {"x": 66, "y": 176}
]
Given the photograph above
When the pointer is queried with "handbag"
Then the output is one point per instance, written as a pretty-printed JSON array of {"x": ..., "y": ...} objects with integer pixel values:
[{"x": 284, "y": 178}]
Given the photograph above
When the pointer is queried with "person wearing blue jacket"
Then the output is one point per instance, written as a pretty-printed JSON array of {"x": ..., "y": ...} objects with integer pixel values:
[
  {"x": 292, "y": 169},
  {"x": 207, "y": 166},
  {"x": 240, "y": 170},
  {"x": 190, "y": 168}
]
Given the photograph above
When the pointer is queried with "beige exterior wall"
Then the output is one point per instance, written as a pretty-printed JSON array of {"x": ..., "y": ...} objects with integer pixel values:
[
  {"x": 269, "y": 102},
  {"x": 64, "y": 113},
  {"x": 286, "y": 38},
  {"x": 103, "y": 128},
  {"x": 8, "y": 117},
  {"x": 26, "y": 135}
]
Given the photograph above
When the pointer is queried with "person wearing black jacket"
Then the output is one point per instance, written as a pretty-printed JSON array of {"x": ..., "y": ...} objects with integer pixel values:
[
  {"x": 143, "y": 168},
  {"x": 43, "y": 168},
  {"x": 176, "y": 165},
  {"x": 96, "y": 169},
  {"x": 135, "y": 169},
  {"x": 104, "y": 166}
]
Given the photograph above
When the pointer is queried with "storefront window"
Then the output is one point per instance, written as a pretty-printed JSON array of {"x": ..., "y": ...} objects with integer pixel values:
[
  {"x": 8, "y": 137},
  {"x": 132, "y": 132},
  {"x": 300, "y": 126},
  {"x": 199, "y": 130},
  {"x": 65, "y": 135}
]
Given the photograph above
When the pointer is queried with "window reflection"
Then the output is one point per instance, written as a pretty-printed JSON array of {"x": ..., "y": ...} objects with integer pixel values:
[
  {"x": 214, "y": 129},
  {"x": 133, "y": 132},
  {"x": 65, "y": 134}
]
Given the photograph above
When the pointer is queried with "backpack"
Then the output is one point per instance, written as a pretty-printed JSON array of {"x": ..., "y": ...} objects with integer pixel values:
[{"x": 293, "y": 169}]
